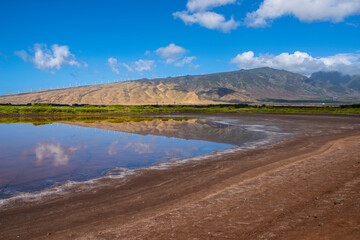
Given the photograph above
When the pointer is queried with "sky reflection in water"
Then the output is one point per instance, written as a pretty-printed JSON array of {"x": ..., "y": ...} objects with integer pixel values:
[{"x": 35, "y": 157}]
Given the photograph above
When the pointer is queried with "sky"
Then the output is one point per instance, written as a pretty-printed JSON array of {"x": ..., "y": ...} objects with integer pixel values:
[{"x": 60, "y": 43}]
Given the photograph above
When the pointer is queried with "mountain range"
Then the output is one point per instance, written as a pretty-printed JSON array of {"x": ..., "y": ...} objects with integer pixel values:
[
  {"x": 338, "y": 79},
  {"x": 250, "y": 86}
]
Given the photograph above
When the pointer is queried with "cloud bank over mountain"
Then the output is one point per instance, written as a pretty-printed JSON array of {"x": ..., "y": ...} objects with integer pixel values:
[{"x": 300, "y": 62}]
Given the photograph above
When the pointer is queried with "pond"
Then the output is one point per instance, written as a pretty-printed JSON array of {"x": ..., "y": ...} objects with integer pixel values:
[{"x": 38, "y": 153}]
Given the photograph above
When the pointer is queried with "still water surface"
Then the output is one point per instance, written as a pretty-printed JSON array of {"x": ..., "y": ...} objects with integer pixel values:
[{"x": 33, "y": 157}]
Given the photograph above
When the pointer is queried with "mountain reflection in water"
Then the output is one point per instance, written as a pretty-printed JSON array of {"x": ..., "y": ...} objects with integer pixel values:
[{"x": 37, "y": 153}]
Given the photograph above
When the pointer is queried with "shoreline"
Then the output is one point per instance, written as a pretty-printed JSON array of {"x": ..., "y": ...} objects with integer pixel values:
[
  {"x": 69, "y": 187},
  {"x": 179, "y": 202}
]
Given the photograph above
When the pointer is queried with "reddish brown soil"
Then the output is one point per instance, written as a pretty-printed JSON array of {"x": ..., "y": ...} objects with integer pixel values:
[{"x": 307, "y": 187}]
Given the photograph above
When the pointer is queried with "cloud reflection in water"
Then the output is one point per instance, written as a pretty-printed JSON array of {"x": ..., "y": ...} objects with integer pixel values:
[
  {"x": 55, "y": 151},
  {"x": 139, "y": 147},
  {"x": 136, "y": 146}
]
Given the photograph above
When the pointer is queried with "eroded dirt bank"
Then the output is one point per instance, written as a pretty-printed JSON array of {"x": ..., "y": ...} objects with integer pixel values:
[{"x": 307, "y": 187}]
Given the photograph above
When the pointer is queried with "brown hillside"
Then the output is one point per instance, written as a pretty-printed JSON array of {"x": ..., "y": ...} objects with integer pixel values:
[{"x": 231, "y": 87}]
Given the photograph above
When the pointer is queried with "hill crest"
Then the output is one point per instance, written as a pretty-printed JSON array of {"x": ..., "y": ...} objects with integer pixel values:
[{"x": 240, "y": 86}]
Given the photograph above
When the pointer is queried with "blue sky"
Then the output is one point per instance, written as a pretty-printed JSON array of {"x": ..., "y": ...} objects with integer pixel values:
[{"x": 60, "y": 43}]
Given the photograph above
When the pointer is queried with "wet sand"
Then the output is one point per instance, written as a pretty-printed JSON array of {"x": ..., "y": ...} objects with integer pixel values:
[{"x": 307, "y": 187}]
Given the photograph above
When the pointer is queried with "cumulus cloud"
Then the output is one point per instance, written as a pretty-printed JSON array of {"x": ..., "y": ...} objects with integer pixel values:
[
  {"x": 300, "y": 62},
  {"x": 197, "y": 12},
  {"x": 144, "y": 65},
  {"x": 171, "y": 53},
  {"x": 187, "y": 61},
  {"x": 46, "y": 58},
  {"x": 60, "y": 155},
  {"x": 113, "y": 64},
  {"x": 175, "y": 55},
  {"x": 305, "y": 10},
  {"x": 139, "y": 66},
  {"x": 210, "y": 20}
]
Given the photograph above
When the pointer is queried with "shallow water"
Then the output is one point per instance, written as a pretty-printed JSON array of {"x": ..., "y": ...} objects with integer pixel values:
[{"x": 34, "y": 157}]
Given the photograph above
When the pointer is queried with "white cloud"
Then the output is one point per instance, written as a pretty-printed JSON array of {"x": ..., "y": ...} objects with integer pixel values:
[
  {"x": 210, "y": 20},
  {"x": 60, "y": 155},
  {"x": 174, "y": 54},
  {"x": 202, "y": 5},
  {"x": 144, "y": 65},
  {"x": 187, "y": 61},
  {"x": 45, "y": 58},
  {"x": 197, "y": 13},
  {"x": 128, "y": 67},
  {"x": 305, "y": 10},
  {"x": 139, "y": 66},
  {"x": 300, "y": 62},
  {"x": 113, "y": 64},
  {"x": 171, "y": 53}
]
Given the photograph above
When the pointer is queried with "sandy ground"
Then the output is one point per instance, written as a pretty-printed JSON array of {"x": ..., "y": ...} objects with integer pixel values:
[{"x": 307, "y": 187}]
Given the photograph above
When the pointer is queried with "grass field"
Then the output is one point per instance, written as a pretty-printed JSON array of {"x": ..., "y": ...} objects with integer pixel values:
[{"x": 100, "y": 110}]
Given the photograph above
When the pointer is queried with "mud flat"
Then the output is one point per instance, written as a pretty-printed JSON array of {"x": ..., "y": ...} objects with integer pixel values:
[{"x": 305, "y": 187}]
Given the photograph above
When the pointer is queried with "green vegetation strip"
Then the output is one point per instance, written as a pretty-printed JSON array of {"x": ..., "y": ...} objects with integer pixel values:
[{"x": 240, "y": 108}]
